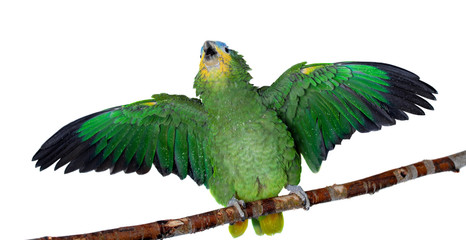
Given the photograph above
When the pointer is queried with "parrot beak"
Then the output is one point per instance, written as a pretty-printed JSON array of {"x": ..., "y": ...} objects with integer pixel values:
[{"x": 210, "y": 54}]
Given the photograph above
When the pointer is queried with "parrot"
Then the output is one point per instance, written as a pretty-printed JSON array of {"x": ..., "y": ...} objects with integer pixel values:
[{"x": 242, "y": 142}]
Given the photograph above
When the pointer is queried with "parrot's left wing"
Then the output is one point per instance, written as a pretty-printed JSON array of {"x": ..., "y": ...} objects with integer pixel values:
[
  {"x": 325, "y": 103},
  {"x": 167, "y": 131}
]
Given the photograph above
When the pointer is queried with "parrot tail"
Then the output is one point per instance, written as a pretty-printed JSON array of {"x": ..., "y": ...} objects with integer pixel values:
[
  {"x": 237, "y": 229},
  {"x": 269, "y": 224}
]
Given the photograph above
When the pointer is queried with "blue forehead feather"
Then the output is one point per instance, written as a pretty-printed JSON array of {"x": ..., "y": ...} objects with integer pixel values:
[
  {"x": 221, "y": 44},
  {"x": 218, "y": 43}
]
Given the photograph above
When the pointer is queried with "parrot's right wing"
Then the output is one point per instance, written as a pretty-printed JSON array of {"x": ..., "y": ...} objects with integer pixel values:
[
  {"x": 324, "y": 103},
  {"x": 167, "y": 131}
]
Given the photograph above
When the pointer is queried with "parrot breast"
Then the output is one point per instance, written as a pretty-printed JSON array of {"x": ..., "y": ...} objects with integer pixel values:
[{"x": 250, "y": 148}]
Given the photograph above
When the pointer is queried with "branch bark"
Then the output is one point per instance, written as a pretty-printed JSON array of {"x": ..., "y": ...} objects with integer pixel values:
[{"x": 197, "y": 223}]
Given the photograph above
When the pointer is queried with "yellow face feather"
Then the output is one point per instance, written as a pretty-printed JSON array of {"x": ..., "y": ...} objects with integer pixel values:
[{"x": 216, "y": 68}]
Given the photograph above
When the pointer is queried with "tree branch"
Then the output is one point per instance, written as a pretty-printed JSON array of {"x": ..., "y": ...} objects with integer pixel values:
[{"x": 201, "y": 222}]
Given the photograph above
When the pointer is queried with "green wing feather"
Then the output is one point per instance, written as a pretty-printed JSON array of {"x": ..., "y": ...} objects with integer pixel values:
[
  {"x": 167, "y": 131},
  {"x": 325, "y": 103}
]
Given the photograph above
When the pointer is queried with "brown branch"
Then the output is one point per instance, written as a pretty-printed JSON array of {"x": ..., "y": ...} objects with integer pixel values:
[{"x": 201, "y": 222}]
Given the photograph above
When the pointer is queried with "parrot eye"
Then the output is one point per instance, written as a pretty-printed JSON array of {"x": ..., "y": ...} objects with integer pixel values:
[{"x": 227, "y": 50}]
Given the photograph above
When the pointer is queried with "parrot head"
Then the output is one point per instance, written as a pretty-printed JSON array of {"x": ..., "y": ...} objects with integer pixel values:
[
  {"x": 215, "y": 55},
  {"x": 220, "y": 65}
]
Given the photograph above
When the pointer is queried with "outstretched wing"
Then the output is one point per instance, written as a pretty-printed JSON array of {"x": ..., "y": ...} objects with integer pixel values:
[
  {"x": 325, "y": 103},
  {"x": 167, "y": 131}
]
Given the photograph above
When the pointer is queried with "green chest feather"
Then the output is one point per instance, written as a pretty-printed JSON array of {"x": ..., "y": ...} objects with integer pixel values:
[{"x": 249, "y": 146}]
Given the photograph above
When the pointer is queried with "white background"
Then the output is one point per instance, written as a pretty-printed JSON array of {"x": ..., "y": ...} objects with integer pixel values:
[{"x": 61, "y": 60}]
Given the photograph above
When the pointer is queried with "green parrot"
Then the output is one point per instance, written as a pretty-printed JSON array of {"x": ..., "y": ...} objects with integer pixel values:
[{"x": 242, "y": 142}]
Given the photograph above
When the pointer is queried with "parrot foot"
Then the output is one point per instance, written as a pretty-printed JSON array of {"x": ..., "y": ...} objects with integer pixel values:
[
  {"x": 301, "y": 194},
  {"x": 238, "y": 204}
]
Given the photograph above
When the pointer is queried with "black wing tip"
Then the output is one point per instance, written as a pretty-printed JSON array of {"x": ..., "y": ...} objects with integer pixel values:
[
  {"x": 70, "y": 128},
  {"x": 62, "y": 143},
  {"x": 410, "y": 87},
  {"x": 397, "y": 71},
  {"x": 393, "y": 69},
  {"x": 67, "y": 170}
]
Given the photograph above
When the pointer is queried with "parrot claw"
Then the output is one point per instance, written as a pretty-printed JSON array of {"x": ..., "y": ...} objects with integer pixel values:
[
  {"x": 301, "y": 194},
  {"x": 238, "y": 204}
]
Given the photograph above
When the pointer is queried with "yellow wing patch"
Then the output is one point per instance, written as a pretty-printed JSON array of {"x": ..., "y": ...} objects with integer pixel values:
[
  {"x": 309, "y": 69},
  {"x": 149, "y": 103}
]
